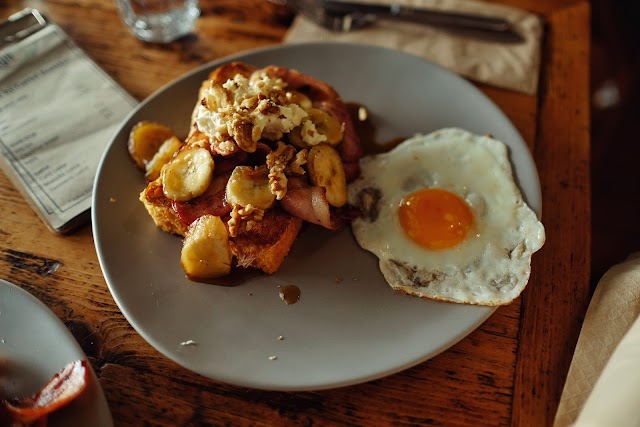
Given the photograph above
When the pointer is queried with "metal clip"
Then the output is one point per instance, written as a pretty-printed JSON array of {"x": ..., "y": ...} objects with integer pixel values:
[{"x": 21, "y": 25}]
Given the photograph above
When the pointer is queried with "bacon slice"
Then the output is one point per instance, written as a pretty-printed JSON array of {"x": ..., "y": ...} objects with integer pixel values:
[
  {"x": 310, "y": 204},
  {"x": 227, "y": 164},
  {"x": 61, "y": 389},
  {"x": 207, "y": 204},
  {"x": 212, "y": 202}
]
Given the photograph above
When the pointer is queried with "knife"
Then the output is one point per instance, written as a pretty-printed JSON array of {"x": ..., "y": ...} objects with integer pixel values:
[{"x": 348, "y": 16}]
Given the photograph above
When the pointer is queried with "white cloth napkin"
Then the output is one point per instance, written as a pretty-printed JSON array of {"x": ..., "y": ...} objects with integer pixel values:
[
  {"x": 506, "y": 65},
  {"x": 603, "y": 383}
]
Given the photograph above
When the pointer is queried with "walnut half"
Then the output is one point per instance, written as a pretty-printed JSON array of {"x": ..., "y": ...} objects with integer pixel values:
[
  {"x": 283, "y": 161},
  {"x": 243, "y": 218}
]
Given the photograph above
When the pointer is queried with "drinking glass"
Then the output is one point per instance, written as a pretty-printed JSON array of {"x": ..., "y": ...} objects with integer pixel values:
[{"x": 159, "y": 21}]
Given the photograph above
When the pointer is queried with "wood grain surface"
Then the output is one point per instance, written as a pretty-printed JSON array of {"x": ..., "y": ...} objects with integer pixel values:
[{"x": 510, "y": 371}]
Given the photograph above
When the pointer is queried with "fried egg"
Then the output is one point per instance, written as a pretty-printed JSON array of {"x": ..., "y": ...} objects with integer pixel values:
[{"x": 446, "y": 219}]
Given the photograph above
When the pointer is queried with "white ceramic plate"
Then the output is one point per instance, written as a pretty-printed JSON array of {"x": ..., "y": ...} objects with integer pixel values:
[
  {"x": 337, "y": 334},
  {"x": 34, "y": 345}
]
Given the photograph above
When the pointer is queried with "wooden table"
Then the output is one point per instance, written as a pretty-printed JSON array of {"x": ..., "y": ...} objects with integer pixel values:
[{"x": 510, "y": 371}]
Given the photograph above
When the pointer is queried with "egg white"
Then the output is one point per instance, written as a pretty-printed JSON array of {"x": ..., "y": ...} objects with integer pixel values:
[{"x": 492, "y": 265}]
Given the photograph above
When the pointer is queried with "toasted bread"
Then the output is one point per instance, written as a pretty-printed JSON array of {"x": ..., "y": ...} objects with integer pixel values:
[
  {"x": 242, "y": 143},
  {"x": 161, "y": 209},
  {"x": 265, "y": 246}
]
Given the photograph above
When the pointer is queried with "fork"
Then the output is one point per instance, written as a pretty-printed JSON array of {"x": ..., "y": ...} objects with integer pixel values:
[{"x": 346, "y": 16}]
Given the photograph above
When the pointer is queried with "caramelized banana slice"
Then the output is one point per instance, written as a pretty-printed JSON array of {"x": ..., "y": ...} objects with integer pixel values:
[
  {"x": 295, "y": 137},
  {"x": 326, "y": 170},
  {"x": 249, "y": 186},
  {"x": 318, "y": 127},
  {"x": 227, "y": 71},
  {"x": 162, "y": 157},
  {"x": 144, "y": 141},
  {"x": 188, "y": 174},
  {"x": 205, "y": 251},
  {"x": 327, "y": 125},
  {"x": 295, "y": 97}
]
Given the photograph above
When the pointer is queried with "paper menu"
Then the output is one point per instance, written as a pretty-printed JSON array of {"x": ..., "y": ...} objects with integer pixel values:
[{"x": 58, "y": 112}]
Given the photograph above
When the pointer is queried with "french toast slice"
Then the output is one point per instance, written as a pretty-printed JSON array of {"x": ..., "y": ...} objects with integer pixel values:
[
  {"x": 267, "y": 243},
  {"x": 264, "y": 247},
  {"x": 244, "y": 117},
  {"x": 161, "y": 209}
]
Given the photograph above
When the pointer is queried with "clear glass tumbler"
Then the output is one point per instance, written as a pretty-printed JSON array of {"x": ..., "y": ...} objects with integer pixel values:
[{"x": 159, "y": 21}]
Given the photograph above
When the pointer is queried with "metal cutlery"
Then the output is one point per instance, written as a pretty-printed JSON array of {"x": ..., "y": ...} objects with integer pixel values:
[{"x": 348, "y": 16}]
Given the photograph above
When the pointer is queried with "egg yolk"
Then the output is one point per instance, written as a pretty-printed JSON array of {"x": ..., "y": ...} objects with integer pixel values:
[{"x": 435, "y": 218}]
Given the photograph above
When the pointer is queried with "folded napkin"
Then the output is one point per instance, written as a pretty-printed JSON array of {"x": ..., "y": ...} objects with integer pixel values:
[
  {"x": 508, "y": 65},
  {"x": 603, "y": 383}
]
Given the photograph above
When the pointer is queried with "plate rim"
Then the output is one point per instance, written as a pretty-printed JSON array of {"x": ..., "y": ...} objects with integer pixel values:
[
  {"x": 262, "y": 50},
  {"x": 73, "y": 343}
]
